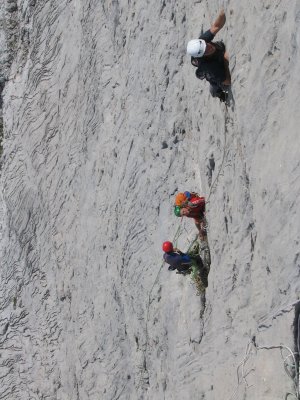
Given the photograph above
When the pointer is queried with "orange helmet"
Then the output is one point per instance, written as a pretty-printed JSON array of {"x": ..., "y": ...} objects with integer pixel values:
[{"x": 180, "y": 199}]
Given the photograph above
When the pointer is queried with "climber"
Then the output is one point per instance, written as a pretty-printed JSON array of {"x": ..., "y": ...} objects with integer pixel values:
[
  {"x": 212, "y": 59},
  {"x": 179, "y": 260},
  {"x": 191, "y": 205}
]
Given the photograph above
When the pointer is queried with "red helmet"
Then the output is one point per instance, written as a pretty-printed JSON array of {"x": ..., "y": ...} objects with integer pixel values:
[{"x": 167, "y": 247}]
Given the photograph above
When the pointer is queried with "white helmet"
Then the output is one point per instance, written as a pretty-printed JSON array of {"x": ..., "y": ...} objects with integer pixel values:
[{"x": 196, "y": 47}]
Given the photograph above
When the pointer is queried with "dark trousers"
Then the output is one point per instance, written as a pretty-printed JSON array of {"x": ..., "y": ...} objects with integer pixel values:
[{"x": 215, "y": 89}]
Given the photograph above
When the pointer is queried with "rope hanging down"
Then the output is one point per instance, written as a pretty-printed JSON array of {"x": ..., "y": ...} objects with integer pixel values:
[
  {"x": 226, "y": 119},
  {"x": 175, "y": 239},
  {"x": 290, "y": 363}
]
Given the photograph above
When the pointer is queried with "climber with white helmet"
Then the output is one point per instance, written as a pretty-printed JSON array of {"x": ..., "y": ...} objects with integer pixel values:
[{"x": 211, "y": 59}]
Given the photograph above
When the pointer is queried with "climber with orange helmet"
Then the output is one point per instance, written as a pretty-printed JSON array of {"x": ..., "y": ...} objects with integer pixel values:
[
  {"x": 179, "y": 260},
  {"x": 191, "y": 205}
]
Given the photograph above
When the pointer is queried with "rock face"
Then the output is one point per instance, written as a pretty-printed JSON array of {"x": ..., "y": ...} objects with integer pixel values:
[{"x": 104, "y": 121}]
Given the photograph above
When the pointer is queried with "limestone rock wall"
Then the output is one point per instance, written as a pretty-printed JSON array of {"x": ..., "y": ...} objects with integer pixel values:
[{"x": 104, "y": 121}]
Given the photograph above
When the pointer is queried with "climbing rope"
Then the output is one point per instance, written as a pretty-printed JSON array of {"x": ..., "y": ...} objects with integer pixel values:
[
  {"x": 286, "y": 364},
  {"x": 290, "y": 364},
  {"x": 192, "y": 243},
  {"x": 175, "y": 240},
  {"x": 226, "y": 119},
  {"x": 177, "y": 235}
]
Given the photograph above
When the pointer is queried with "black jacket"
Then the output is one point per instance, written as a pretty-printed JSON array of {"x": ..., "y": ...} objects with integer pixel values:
[{"x": 212, "y": 68}]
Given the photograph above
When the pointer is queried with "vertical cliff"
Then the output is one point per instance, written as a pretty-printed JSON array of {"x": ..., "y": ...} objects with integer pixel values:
[{"x": 104, "y": 121}]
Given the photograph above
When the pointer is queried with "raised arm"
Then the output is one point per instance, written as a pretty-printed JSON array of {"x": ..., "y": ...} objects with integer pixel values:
[{"x": 219, "y": 22}]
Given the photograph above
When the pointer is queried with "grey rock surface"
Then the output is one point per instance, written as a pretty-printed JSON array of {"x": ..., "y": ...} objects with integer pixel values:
[{"x": 104, "y": 121}]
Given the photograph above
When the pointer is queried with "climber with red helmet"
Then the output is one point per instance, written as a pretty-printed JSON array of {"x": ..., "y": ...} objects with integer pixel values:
[
  {"x": 179, "y": 260},
  {"x": 191, "y": 205}
]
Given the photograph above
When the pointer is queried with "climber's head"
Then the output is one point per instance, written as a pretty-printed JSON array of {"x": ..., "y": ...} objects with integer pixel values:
[
  {"x": 180, "y": 199},
  {"x": 196, "y": 48},
  {"x": 167, "y": 247}
]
